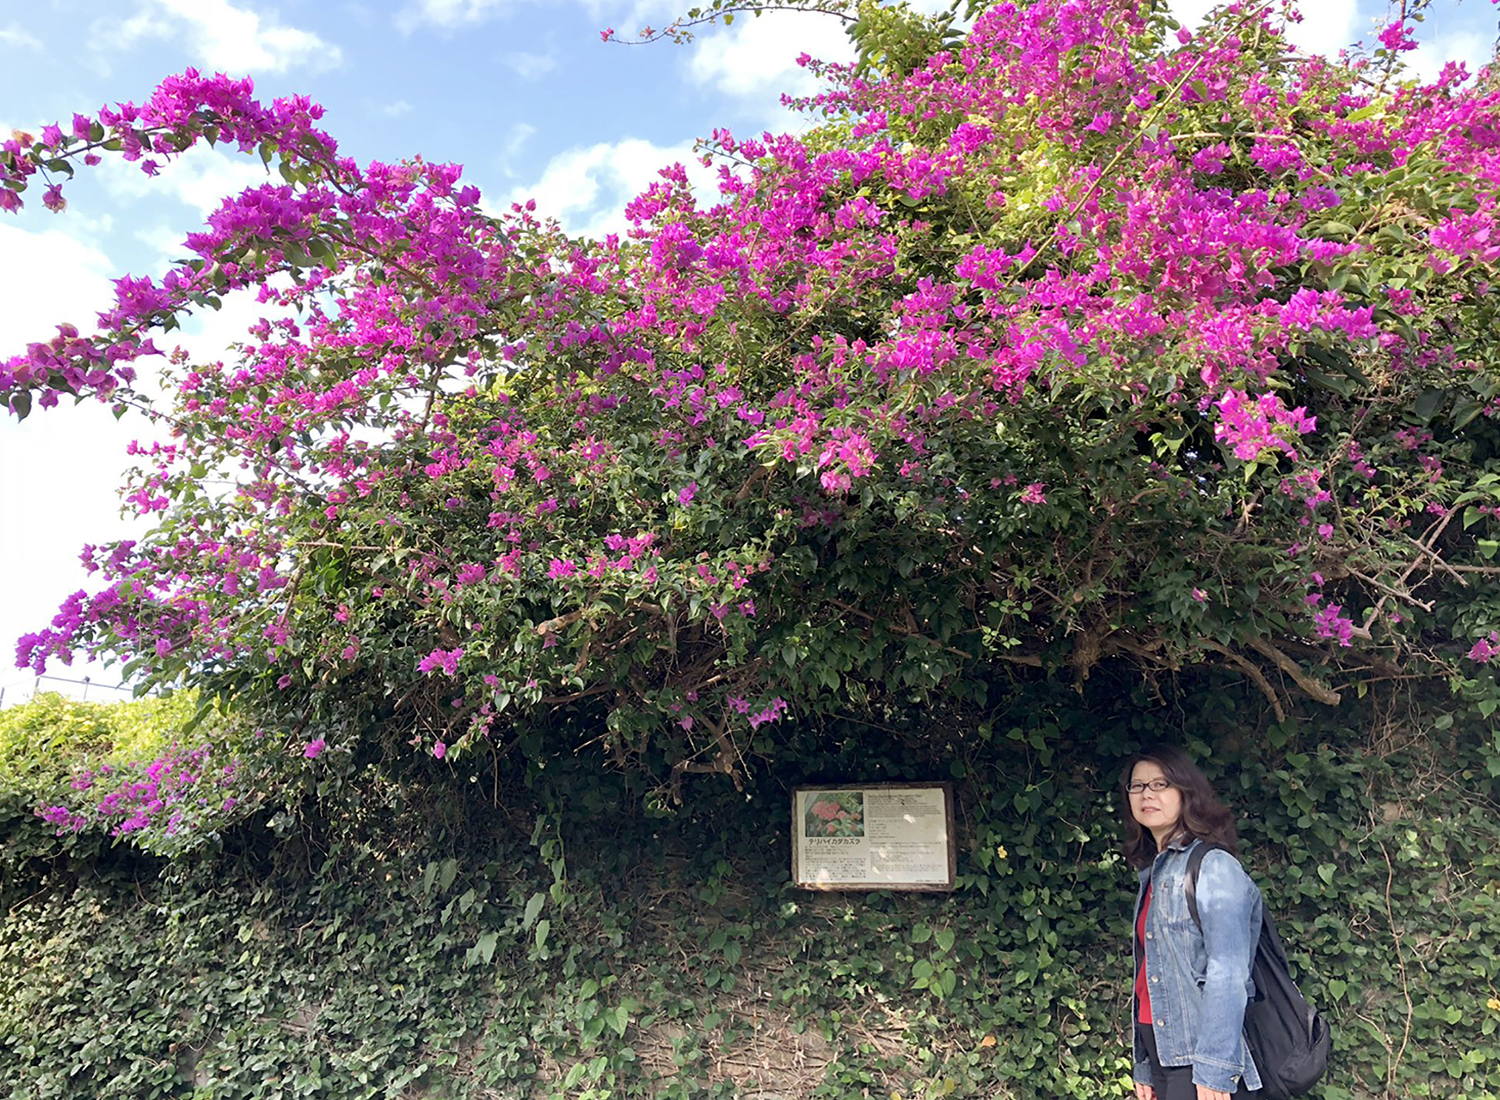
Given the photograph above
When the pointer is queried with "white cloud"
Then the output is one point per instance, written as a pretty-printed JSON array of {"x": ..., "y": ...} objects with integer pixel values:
[
  {"x": 515, "y": 140},
  {"x": 1327, "y": 26},
  {"x": 641, "y": 13},
  {"x": 446, "y": 14},
  {"x": 144, "y": 24},
  {"x": 586, "y": 188},
  {"x": 59, "y": 469},
  {"x": 397, "y": 109},
  {"x": 1470, "y": 47},
  {"x": 530, "y": 66},
  {"x": 1191, "y": 12},
  {"x": 163, "y": 243},
  {"x": 15, "y": 36},
  {"x": 48, "y": 277},
  {"x": 757, "y": 58},
  {"x": 226, "y": 37},
  {"x": 201, "y": 178},
  {"x": 208, "y": 335}
]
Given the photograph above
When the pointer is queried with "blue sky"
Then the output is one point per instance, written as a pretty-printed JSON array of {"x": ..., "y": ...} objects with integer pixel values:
[{"x": 521, "y": 92}]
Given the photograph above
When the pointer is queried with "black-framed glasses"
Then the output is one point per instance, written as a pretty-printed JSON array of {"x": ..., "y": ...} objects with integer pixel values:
[{"x": 1156, "y": 786}]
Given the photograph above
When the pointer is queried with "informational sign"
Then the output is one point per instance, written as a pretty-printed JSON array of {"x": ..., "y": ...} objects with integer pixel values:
[{"x": 878, "y": 836}]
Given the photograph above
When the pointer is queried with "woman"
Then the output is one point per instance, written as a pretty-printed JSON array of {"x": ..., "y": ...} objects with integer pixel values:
[{"x": 1191, "y": 986}]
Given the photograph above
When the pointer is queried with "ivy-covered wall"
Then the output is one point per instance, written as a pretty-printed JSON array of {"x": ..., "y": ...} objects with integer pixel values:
[{"x": 467, "y": 934}]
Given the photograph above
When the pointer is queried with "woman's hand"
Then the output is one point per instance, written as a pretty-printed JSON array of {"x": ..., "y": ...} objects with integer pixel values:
[
  {"x": 1144, "y": 1091},
  {"x": 1206, "y": 1093}
]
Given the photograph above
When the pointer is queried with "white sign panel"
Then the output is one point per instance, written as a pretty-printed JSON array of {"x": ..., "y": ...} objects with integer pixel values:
[{"x": 881, "y": 836}]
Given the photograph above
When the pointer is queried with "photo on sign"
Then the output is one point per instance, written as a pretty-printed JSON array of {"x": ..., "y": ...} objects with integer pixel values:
[{"x": 834, "y": 813}]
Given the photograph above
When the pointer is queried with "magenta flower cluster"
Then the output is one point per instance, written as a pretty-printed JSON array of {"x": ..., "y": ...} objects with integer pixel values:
[
  {"x": 400, "y": 315},
  {"x": 181, "y": 792},
  {"x": 1486, "y": 649}
]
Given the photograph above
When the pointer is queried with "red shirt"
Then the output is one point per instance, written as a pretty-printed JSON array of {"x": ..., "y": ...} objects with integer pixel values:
[{"x": 1142, "y": 991}]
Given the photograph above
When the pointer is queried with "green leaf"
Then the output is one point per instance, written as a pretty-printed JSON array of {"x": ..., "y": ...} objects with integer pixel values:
[
  {"x": 533, "y": 909},
  {"x": 1428, "y": 403},
  {"x": 485, "y": 948}
]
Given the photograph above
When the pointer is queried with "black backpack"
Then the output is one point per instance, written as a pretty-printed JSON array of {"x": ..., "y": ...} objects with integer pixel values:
[{"x": 1287, "y": 1038}]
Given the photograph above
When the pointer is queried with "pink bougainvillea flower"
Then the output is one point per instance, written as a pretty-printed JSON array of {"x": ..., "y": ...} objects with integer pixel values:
[
  {"x": 1486, "y": 649},
  {"x": 441, "y": 660},
  {"x": 1397, "y": 36}
]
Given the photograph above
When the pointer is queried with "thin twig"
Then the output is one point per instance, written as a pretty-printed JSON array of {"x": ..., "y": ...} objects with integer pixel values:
[
  {"x": 1425, "y": 605},
  {"x": 1390, "y": 877}
]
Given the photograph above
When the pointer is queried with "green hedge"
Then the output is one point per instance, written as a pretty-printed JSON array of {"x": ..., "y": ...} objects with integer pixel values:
[{"x": 461, "y": 934}]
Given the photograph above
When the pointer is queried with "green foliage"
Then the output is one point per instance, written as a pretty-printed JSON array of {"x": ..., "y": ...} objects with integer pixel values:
[
  {"x": 46, "y": 739},
  {"x": 574, "y": 937},
  {"x": 59, "y": 752}
]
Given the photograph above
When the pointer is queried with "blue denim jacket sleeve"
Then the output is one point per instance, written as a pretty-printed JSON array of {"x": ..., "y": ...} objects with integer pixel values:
[
  {"x": 1229, "y": 908},
  {"x": 1140, "y": 1070}
]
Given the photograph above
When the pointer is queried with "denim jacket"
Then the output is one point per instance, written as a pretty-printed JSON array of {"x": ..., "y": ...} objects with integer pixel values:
[{"x": 1199, "y": 981}]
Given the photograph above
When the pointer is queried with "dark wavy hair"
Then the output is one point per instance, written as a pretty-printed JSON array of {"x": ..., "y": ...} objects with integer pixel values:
[{"x": 1204, "y": 815}]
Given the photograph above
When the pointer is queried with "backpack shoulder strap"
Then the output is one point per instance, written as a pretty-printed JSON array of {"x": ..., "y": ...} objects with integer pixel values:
[{"x": 1190, "y": 881}]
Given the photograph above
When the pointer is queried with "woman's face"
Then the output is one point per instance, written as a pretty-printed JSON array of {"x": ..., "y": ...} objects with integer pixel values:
[{"x": 1157, "y": 811}]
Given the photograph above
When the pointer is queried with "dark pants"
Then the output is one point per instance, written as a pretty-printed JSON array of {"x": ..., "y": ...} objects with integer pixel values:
[{"x": 1174, "y": 1082}]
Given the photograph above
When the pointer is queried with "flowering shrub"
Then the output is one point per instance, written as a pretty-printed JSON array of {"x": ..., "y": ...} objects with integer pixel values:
[{"x": 1084, "y": 338}]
